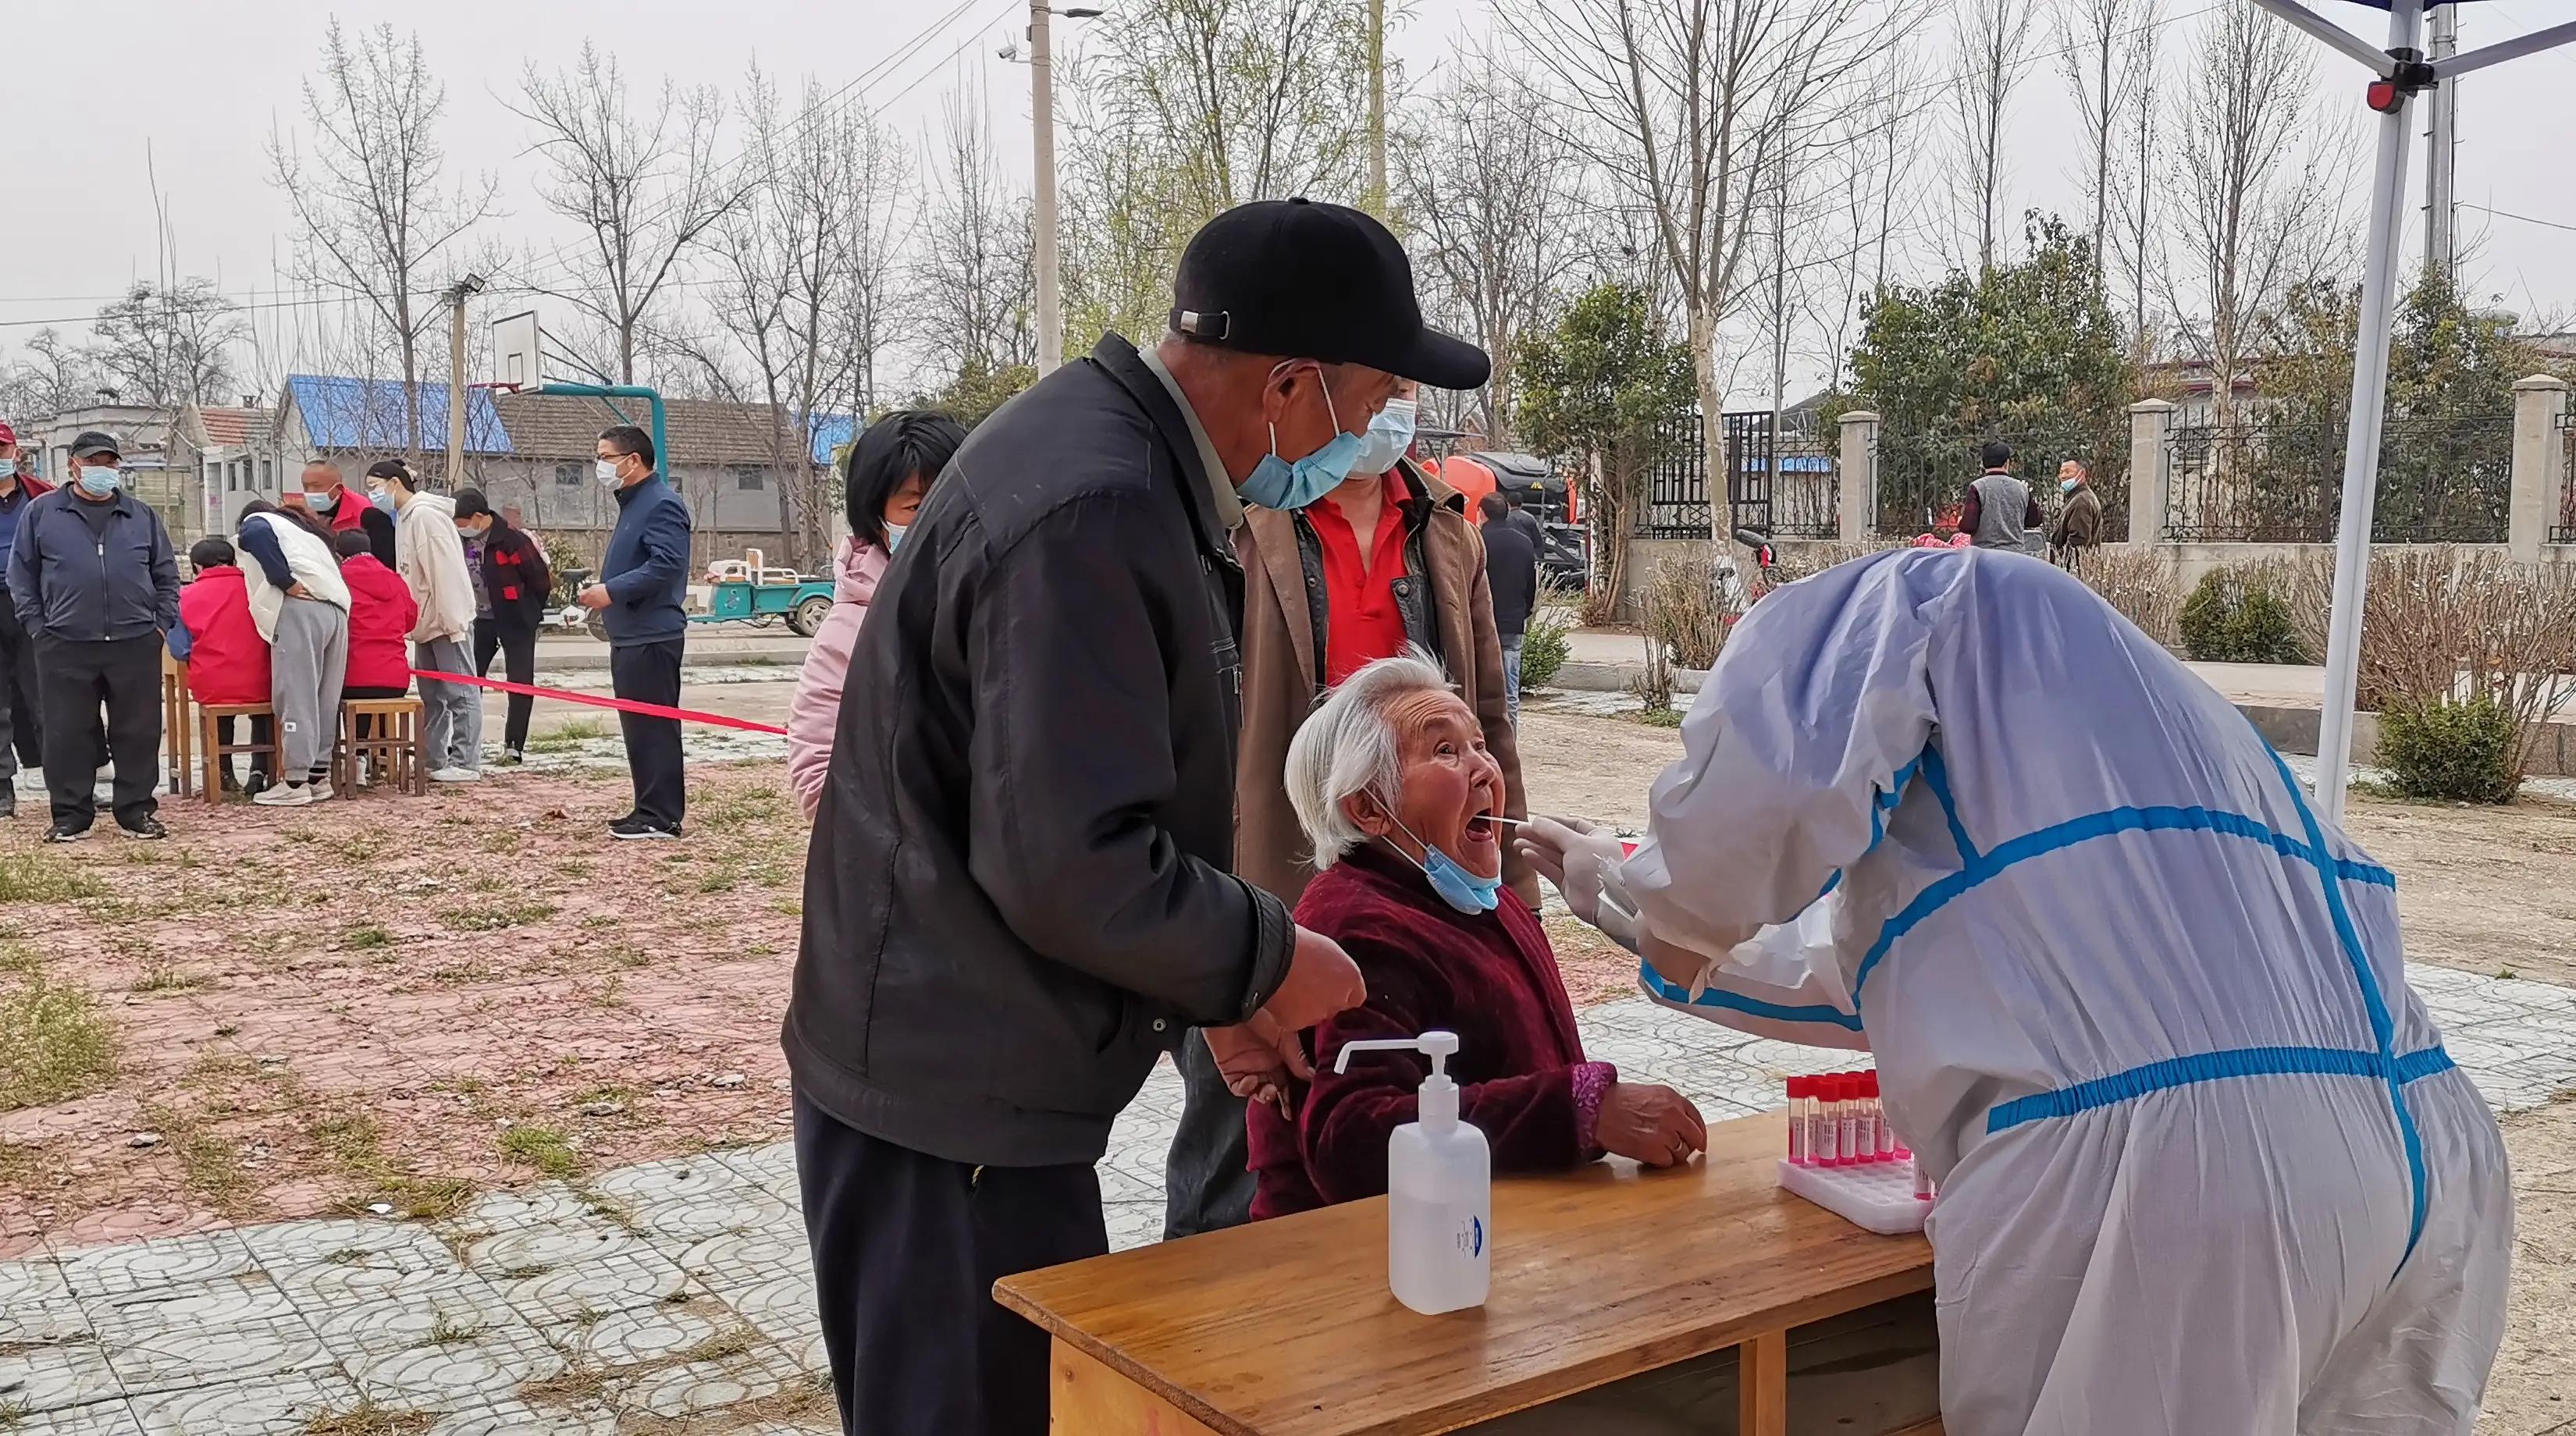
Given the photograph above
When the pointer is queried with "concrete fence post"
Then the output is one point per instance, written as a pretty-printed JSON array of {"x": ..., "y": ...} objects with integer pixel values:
[
  {"x": 2539, "y": 464},
  {"x": 2150, "y": 420},
  {"x": 1857, "y": 488}
]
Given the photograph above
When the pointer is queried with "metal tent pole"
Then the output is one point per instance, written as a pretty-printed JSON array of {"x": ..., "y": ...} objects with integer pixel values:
[{"x": 2361, "y": 442}]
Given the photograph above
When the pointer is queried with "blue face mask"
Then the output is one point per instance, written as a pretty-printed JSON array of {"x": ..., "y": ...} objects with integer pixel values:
[
  {"x": 1456, "y": 886},
  {"x": 96, "y": 480},
  {"x": 1388, "y": 436},
  {"x": 894, "y": 536},
  {"x": 2068, "y": 486},
  {"x": 1278, "y": 484}
]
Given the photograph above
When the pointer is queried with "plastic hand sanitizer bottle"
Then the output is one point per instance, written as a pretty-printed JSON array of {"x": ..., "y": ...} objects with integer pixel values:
[{"x": 1439, "y": 1185}]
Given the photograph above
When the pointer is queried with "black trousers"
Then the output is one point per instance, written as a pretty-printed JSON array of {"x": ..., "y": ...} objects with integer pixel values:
[
  {"x": 650, "y": 673},
  {"x": 123, "y": 676},
  {"x": 366, "y": 725},
  {"x": 906, "y": 1250},
  {"x": 1207, "y": 1174},
  {"x": 262, "y": 730},
  {"x": 22, "y": 723},
  {"x": 518, "y": 650}
]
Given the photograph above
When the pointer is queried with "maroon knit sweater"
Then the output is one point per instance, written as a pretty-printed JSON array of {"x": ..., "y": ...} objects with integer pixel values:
[{"x": 1489, "y": 978}]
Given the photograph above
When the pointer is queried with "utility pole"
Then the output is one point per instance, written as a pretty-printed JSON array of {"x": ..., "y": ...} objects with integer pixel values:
[
  {"x": 1042, "y": 138},
  {"x": 2441, "y": 207},
  {"x": 456, "y": 296},
  {"x": 1377, "y": 108}
]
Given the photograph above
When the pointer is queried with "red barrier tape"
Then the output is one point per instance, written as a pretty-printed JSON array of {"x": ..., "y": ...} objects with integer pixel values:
[{"x": 622, "y": 705}]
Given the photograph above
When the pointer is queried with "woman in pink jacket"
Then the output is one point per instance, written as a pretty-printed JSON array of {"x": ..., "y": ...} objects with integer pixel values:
[{"x": 889, "y": 472}]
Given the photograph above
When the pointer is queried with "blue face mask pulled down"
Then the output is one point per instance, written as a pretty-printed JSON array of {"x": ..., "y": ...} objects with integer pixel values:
[
  {"x": 1277, "y": 483},
  {"x": 1388, "y": 436},
  {"x": 1456, "y": 886}
]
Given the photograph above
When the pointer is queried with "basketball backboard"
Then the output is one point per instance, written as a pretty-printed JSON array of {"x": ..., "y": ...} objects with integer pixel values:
[{"x": 516, "y": 345}]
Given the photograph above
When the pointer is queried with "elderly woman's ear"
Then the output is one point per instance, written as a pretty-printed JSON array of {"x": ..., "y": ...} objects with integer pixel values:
[{"x": 1368, "y": 814}]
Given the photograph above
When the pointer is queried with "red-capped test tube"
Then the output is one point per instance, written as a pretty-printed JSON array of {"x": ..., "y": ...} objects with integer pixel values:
[
  {"x": 1883, "y": 1146},
  {"x": 1854, "y": 1123},
  {"x": 1827, "y": 1149},
  {"x": 1798, "y": 1120}
]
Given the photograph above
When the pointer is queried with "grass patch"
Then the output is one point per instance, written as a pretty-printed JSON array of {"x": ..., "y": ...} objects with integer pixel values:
[
  {"x": 37, "y": 876},
  {"x": 542, "y": 1148},
  {"x": 163, "y": 977},
  {"x": 54, "y": 1044},
  {"x": 568, "y": 737},
  {"x": 365, "y": 936},
  {"x": 446, "y": 1331},
  {"x": 601, "y": 922},
  {"x": 19, "y": 960},
  {"x": 723, "y": 1346},
  {"x": 788, "y": 907},
  {"x": 499, "y": 916},
  {"x": 503, "y": 841},
  {"x": 1657, "y": 717},
  {"x": 209, "y": 1165},
  {"x": 461, "y": 973},
  {"x": 368, "y": 1419},
  {"x": 351, "y": 1139}
]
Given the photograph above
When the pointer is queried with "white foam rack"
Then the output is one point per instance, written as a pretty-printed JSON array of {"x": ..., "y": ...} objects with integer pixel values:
[{"x": 1874, "y": 1196}]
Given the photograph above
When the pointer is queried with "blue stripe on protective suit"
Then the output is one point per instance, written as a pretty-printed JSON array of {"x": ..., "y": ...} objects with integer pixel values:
[
  {"x": 2381, "y": 1026},
  {"x": 2099, "y": 825},
  {"x": 1657, "y": 985},
  {"x": 1887, "y": 799},
  {"x": 1936, "y": 773},
  {"x": 2214, "y": 1067}
]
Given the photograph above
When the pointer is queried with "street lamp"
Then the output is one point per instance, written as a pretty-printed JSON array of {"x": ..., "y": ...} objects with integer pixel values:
[{"x": 1042, "y": 136}]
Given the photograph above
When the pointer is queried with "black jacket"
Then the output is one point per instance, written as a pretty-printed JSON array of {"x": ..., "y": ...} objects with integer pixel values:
[
  {"x": 72, "y": 580},
  {"x": 1511, "y": 571},
  {"x": 646, "y": 567},
  {"x": 1017, "y": 893},
  {"x": 515, "y": 578}
]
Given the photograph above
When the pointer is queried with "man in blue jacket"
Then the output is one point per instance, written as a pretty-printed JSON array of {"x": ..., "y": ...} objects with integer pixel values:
[
  {"x": 643, "y": 583},
  {"x": 95, "y": 583}
]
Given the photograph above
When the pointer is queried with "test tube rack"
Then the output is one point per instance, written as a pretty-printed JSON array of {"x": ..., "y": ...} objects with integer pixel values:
[{"x": 1874, "y": 1196}]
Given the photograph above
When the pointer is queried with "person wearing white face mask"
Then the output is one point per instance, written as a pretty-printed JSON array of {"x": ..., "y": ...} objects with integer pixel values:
[
  {"x": 1384, "y": 563},
  {"x": 95, "y": 583}
]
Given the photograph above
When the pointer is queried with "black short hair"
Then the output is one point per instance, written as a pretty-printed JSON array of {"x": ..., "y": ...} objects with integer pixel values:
[
  {"x": 627, "y": 439},
  {"x": 1995, "y": 454},
  {"x": 470, "y": 503},
  {"x": 352, "y": 542},
  {"x": 396, "y": 470},
  {"x": 208, "y": 553},
  {"x": 1495, "y": 505},
  {"x": 894, "y": 448}
]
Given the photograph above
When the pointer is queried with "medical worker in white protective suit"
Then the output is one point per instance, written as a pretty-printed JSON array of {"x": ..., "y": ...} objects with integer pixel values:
[{"x": 2205, "y": 1168}]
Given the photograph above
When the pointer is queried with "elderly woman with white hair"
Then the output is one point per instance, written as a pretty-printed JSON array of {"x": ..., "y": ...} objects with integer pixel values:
[{"x": 1393, "y": 786}]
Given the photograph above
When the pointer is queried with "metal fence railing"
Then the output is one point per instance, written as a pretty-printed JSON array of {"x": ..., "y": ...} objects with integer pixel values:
[
  {"x": 1793, "y": 492},
  {"x": 1922, "y": 475},
  {"x": 2443, "y": 478},
  {"x": 2562, "y": 523}
]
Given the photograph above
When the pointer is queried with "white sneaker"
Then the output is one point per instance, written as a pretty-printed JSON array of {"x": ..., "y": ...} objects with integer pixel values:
[
  {"x": 284, "y": 795},
  {"x": 455, "y": 775},
  {"x": 320, "y": 788}
]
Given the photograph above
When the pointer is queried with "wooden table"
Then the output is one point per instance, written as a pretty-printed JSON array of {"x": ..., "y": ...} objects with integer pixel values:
[{"x": 1286, "y": 1328}]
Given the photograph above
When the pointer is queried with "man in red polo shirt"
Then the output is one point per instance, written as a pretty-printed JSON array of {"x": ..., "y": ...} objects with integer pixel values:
[{"x": 327, "y": 498}]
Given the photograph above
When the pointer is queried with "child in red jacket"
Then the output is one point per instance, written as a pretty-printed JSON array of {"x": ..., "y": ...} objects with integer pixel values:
[
  {"x": 381, "y": 613},
  {"x": 227, "y": 659}
]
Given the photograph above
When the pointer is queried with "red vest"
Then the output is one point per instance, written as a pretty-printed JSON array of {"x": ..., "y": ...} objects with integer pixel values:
[
  {"x": 381, "y": 614},
  {"x": 227, "y": 659},
  {"x": 347, "y": 514}
]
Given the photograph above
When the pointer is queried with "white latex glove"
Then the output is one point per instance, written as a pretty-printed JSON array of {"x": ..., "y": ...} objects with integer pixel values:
[{"x": 1583, "y": 862}]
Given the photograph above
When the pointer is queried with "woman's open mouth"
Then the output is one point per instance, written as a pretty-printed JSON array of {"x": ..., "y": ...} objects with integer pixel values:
[{"x": 1483, "y": 829}]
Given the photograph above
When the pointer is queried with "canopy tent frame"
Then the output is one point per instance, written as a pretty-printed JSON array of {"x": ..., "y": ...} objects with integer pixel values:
[{"x": 2402, "y": 73}]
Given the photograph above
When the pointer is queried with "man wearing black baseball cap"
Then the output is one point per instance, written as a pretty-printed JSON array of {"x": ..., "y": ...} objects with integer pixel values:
[{"x": 1018, "y": 893}]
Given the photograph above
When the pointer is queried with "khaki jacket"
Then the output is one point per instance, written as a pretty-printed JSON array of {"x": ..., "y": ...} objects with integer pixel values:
[{"x": 1283, "y": 667}]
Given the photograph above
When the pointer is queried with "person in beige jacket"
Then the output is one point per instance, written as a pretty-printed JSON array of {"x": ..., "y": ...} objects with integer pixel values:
[
  {"x": 431, "y": 559},
  {"x": 1395, "y": 547}
]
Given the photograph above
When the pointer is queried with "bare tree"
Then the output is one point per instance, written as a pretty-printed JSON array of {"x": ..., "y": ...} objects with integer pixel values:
[
  {"x": 644, "y": 187},
  {"x": 876, "y": 222},
  {"x": 1862, "y": 201},
  {"x": 1242, "y": 99},
  {"x": 2133, "y": 236},
  {"x": 169, "y": 347},
  {"x": 781, "y": 291},
  {"x": 974, "y": 270},
  {"x": 1694, "y": 108},
  {"x": 1493, "y": 195},
  {"x": 2259, "y": 178},
  {"x": 1993, "y": 37},
  {"x": 373, "y": 219},
  {"x": 55, "y": 375},
  {"x": 2104, "y": 65}
]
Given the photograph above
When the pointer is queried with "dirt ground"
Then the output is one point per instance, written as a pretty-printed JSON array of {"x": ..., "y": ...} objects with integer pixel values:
[{"x": 397, "y": 1002}]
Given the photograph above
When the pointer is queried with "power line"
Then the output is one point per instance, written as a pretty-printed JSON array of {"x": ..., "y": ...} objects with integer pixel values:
[{"x": 2525, "y": 218}]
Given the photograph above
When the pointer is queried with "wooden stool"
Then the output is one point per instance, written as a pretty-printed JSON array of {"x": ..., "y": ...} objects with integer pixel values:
[
  {"x": 211, "y": 742},
  {"x": 393, "y": 747},
  {"x": 178, "y": 726}
]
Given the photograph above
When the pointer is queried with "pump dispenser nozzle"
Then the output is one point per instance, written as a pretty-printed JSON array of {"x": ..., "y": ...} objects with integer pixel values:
[{"x": 1437, "y": 1106}]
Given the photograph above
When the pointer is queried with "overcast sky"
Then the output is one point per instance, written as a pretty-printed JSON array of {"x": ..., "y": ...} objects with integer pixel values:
[{"x": 202, "y": 84}]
